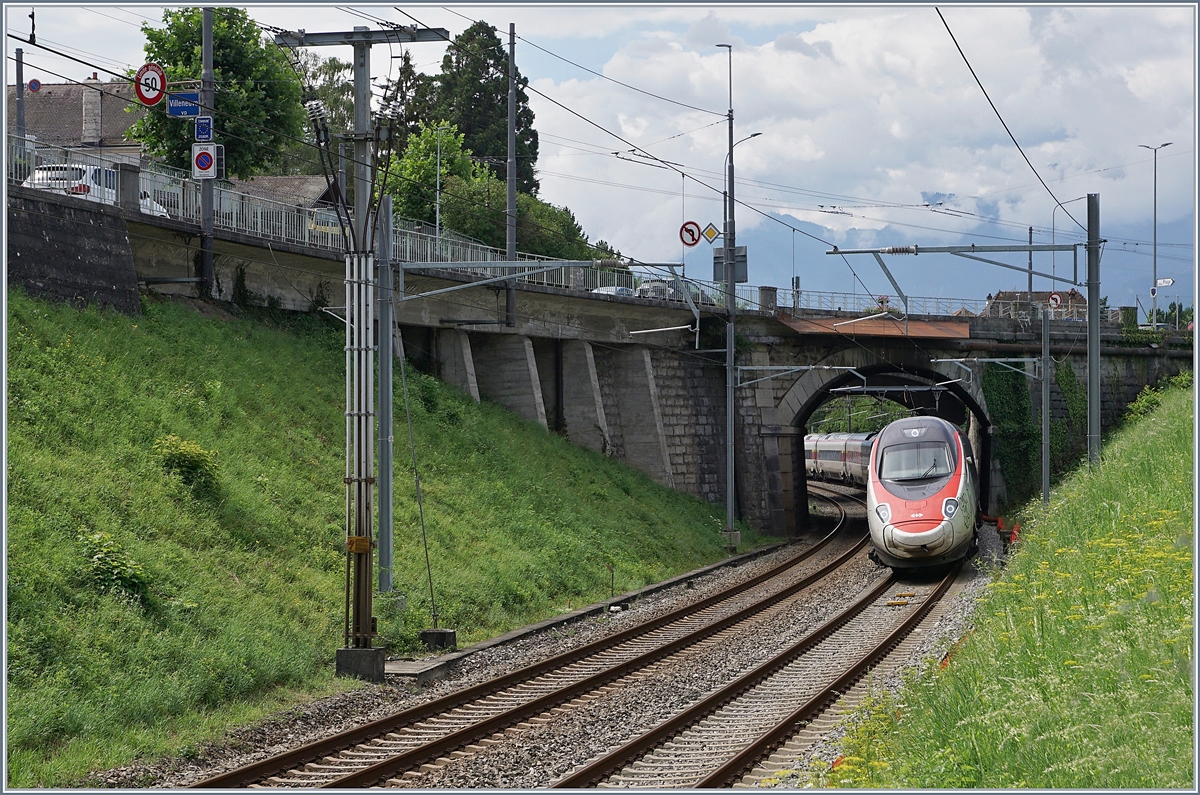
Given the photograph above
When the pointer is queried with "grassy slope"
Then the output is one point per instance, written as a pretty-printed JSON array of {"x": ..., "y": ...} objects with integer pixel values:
[
  {"x": 1079, "y": 672},
  {"x": 144, "y": 614}
]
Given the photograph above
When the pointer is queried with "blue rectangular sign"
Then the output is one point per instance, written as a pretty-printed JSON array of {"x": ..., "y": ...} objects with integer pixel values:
[
  {"x": 204, "y": 129},
  {"x": 185, "y": 103}
]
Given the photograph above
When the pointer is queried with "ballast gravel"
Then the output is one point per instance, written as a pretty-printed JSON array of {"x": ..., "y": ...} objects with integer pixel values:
[{"x": 540, "y": 753}]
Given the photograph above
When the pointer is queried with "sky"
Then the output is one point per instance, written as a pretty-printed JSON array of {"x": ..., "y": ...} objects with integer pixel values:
[{"x": 873, "y": 130}]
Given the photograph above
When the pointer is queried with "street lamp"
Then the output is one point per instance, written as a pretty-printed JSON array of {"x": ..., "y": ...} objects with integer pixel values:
[
  {"x": 730, "y": 306},
  {"x": 437, "y": 205},
  {"x": 1154, "y": 277}
]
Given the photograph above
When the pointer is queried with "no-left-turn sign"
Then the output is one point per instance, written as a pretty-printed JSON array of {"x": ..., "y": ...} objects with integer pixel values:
[
  {"x": 689, "y": 233},
  {"x": 150, "y": 84}
]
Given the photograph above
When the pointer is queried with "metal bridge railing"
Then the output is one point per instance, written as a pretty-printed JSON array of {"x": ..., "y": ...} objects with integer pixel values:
[{"x": 416, "y": 241}]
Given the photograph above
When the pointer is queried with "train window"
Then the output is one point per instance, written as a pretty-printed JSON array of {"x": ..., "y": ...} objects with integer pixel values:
[
  {"x": 830, "y": 455},
  {"x": 915, "y": 461}
]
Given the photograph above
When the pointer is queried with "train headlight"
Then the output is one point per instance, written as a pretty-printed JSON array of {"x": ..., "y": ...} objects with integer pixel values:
[
  {"x": 950, "y": 507},
  {"x": 884, "y": 512}
]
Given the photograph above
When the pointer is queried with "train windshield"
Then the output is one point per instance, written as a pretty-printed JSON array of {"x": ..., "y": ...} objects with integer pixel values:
[{"x": 916, "y": 461}]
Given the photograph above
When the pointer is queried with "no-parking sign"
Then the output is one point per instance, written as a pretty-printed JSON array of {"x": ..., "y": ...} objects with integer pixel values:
[{"x": 204, "y": 161}]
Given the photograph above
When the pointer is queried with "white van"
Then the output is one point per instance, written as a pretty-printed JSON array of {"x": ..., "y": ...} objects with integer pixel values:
[{"x": 87, "y": 182}]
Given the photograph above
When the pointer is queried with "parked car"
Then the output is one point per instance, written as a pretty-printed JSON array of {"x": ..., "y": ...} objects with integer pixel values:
[
  {"x": 92, "y": 183},
  {"x": 676, "y": 290},
  {"x": 661, "y": 290},
  {"x": 615, "y": 290}
]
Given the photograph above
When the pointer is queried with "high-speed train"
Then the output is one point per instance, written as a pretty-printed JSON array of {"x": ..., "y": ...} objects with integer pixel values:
[{"x": 922, "y": 487}]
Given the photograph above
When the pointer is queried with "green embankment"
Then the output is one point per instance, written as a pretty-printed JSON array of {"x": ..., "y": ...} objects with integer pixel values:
[
  {"x": 1079, "y": 673},
  {"x": 175, "y": 526}
]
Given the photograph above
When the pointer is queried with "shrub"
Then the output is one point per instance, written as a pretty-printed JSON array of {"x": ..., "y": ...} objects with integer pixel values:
[
  {"x": 195, "y": 466},
  {"x": 1146, "y": 402},
  {"x": 112, "y": 567}
]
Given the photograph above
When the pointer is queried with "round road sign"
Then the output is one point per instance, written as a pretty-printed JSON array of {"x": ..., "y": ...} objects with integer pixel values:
[
  {"x": 1055, "y": 300},
  {"x": 204, "y": 161},
  {"x": 689, "y": 233},
  {"x": 150, "y": 84},
  {"x": 35, "y": 85}
]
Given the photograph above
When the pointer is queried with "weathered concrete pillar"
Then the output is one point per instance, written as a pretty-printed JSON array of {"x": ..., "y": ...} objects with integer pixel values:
[
  {"x": 129, "y": 187},
  {"x": 457, "y": 366},
  {"x": 645, "y": 441},
  {"x": 506, "y": 370},
  {"x": 768, "y": 299},
  {"x": 583, "y": 407}
]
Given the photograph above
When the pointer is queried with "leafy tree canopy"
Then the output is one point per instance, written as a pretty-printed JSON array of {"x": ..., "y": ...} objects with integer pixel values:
[
  {"x": 257, "y": 94},
  {"x": 329, "y": 80},
  {"x": 472, "y": 93},
  {"x": 412, "y": 176}
]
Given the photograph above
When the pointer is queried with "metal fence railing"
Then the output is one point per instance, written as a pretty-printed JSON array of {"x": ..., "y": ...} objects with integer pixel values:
[{"x": 97, "y": 178}]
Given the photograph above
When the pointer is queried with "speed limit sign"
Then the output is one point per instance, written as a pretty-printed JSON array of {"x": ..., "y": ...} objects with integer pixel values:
[{"x": 150, "y": 84}]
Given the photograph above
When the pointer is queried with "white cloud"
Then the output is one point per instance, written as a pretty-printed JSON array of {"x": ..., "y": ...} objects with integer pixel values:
[{"x": 859, "y": 107}]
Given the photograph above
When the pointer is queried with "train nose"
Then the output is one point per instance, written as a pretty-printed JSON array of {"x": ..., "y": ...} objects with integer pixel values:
[{"x": 907, "y": 543}]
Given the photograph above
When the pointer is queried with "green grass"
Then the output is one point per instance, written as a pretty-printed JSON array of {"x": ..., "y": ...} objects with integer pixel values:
[
  {"x": 1079, "y": 671},
  {"x": 175, "y": 526}
]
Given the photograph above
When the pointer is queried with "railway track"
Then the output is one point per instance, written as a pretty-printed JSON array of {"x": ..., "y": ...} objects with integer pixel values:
[
  {"x": 459, "y": 723},
  {"x": 719, "y": 740}
]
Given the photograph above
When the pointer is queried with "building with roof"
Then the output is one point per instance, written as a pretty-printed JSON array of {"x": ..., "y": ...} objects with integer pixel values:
[{"x": 92, "y": 116}]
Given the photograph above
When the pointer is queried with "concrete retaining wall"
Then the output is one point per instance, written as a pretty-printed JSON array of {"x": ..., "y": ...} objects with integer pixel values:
[{"x": 69, "y": 249}]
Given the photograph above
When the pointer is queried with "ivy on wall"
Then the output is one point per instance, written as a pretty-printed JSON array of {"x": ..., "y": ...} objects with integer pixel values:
[
  {"x": 1073, "y": 436},
  {"x": 1016, "y": 437}
]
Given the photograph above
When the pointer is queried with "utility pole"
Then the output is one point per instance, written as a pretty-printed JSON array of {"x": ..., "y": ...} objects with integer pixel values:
[
  {"x": 510, "y": 287},
  {"x": 206, "y": 186},
  {"x": 1154, "y": 259},
  {"x": 359, "y": 658},
  {"x": 1045, "y": 405},
  {"x": 1093, "y": 323},
  {"x": 730, "y": 309},
  {"x": 1030, "y": 287},
  {"x": 20, "y": 103},
  {"x": 383, "y": 262}
]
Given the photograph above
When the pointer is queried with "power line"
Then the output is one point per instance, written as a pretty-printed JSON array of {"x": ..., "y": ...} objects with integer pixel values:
[
  {"x": 598, "y": 74},
  {"x": 1001, "y": 118},
  {"x": 349, "y": 159}
]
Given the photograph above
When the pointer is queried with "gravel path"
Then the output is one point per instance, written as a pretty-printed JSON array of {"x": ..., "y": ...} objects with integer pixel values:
[{"x": 534, "y": 755}]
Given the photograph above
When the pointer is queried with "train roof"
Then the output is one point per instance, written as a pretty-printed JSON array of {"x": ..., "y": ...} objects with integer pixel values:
[
  {"x": 843, "y": 436},
  {"x": 924, "y": 428}
]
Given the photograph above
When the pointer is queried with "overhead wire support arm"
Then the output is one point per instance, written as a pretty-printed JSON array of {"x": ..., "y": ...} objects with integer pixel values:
[
  {"x": 457, "y": 287},
  {"x": 782, "y": 370},
  {"x": 1003, "y": 362}
]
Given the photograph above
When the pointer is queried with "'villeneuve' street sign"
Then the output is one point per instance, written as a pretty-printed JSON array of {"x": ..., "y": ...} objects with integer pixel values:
[{"x": 186, "y": 103}]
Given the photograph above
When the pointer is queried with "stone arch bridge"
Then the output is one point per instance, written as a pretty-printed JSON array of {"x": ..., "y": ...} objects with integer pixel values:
[{"x": 570, "y": 364}]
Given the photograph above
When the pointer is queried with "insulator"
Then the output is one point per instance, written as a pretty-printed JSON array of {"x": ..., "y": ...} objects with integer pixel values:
[
  {"x": 900, "y": 250},
  {"x": 316, "y": 110}
]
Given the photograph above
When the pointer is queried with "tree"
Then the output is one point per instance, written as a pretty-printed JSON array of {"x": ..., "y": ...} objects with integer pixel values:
[
  {"x": 328, "y": 80},
  {"x": 472, "y": 93},
  {"x": 257, "y": 95},
  {"x": 415, "y": 92},
  {"x": 412, "y": 176}
]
